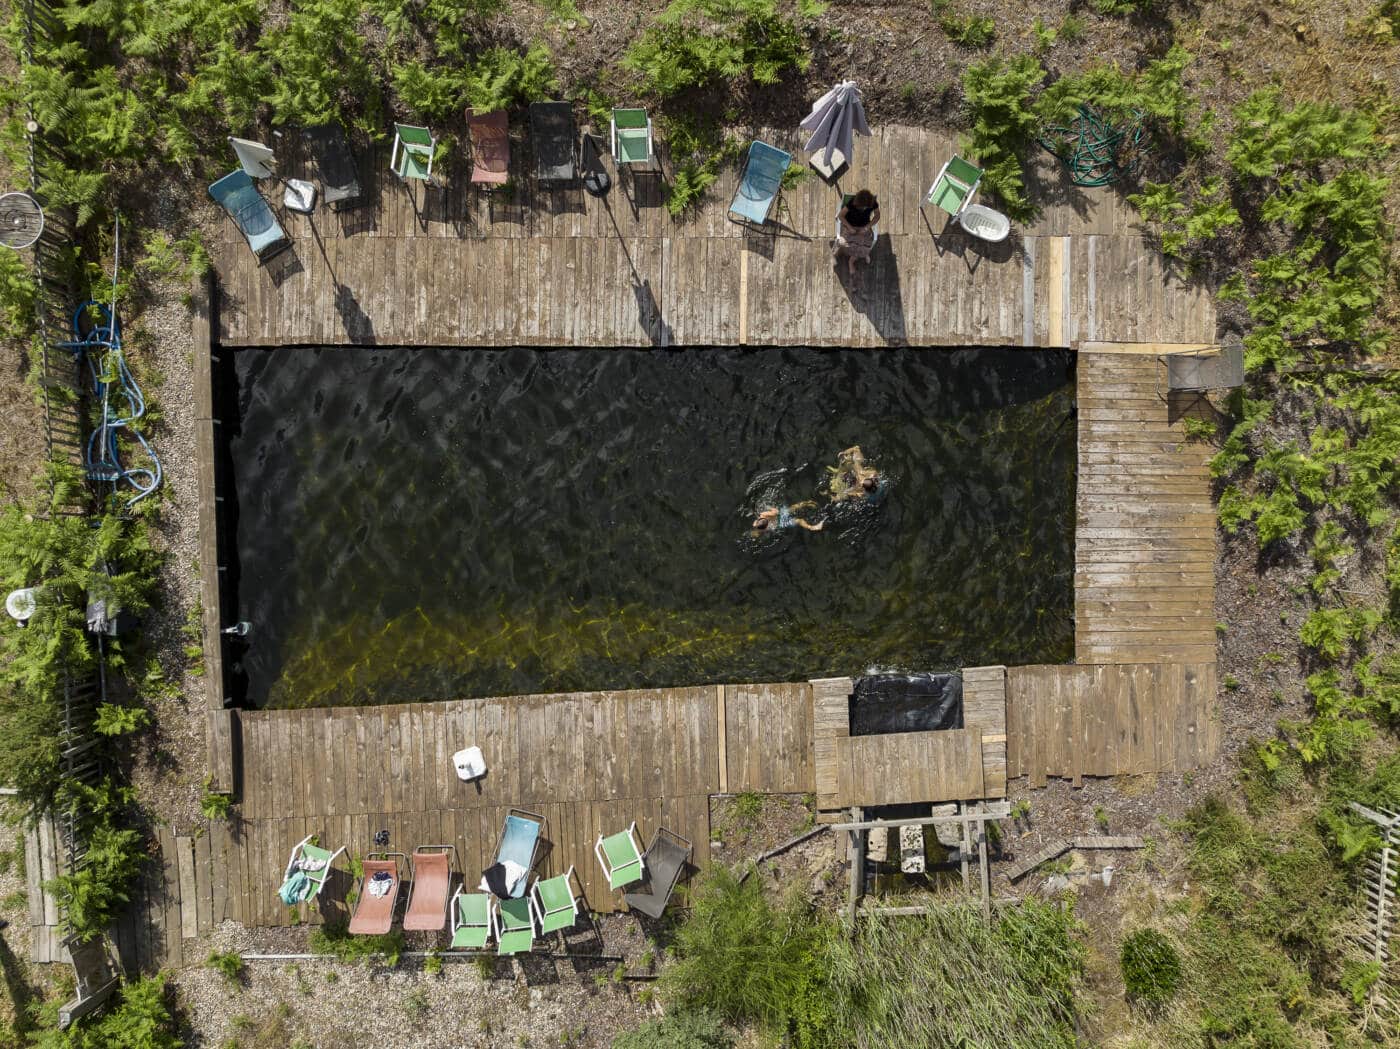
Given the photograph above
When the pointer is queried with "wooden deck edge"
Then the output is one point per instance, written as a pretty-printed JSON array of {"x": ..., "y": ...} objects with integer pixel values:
[
  {"x": 219, "y": 735},
  {"x": 1151, "y": 349}
]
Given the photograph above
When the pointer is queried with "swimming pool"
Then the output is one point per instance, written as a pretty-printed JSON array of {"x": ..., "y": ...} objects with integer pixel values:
[{"x": 419, "y": 524}]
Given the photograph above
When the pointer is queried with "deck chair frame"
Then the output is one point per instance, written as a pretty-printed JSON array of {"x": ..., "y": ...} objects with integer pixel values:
[
  {"x": 649, "y": 163},
  {"x": 453, "y": 863},
  {"x": 775, "y": 206},
  {"x": 400, "y": 864},
  {"x": 325, "y": 871},
  {"x": 481, "y": 127},
  {"x": 498, "y": 926},
  {"x": 543, "y": 912},
  {"x": 337, "y": 166},
  {"x": 404, "y": 149},
  {"x": 970, "y": 188},
  {"x": 258, "y": 205},
  {"x": 534, "y": 851},
  {"x": 609, "y": 871},
  {"x": 458, "y": 924}
]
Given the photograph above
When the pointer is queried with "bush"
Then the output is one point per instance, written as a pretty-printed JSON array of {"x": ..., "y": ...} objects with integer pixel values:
[
  {"x": 1151, "y": 967},
  {"x": 215, "y": 806},
  {"x": 739, "y": 955},
  {"x": 336, "y": 939},
  {"x": 683, "y": 1029},
  {"x": 139, "y": 1019},
  {"x": 228, "y": 964}
]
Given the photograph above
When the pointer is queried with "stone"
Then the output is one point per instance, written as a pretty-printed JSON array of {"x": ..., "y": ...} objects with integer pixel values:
[
  {"x": 911, "y": 850},
  {"x": 948, "y": 834},
  {"x": 1055, "y": 884}
]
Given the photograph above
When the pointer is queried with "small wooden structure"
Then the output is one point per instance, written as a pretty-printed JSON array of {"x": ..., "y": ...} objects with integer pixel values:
[
  {"x": 1380, "y": 883},
  {"x": 96, "y": 975}
]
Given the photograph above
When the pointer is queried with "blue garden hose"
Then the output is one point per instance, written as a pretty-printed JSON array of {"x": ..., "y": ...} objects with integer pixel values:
[{"x": 101, "y": 346}]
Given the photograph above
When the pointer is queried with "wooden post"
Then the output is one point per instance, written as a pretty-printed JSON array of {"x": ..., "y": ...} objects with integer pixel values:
[
  {"x": 984, "y": 867},
  {"x": 963, "y": 849},
  {"x": 857, "y": 851}
]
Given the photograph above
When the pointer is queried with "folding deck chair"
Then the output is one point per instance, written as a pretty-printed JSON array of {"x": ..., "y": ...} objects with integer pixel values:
[
  {"x": 556, "y": 906},
  {"x": 760, "y": 183},
  {"x": 1201, "y": 372},
  {"x": 666, "y": 859},
  {"x": 336, "y": 167},
  {"x": 519, "y": 842},
  {"x": 952, "y": 192},
  {"x": 374, "y": 914},
  {"x": 238, "y": 195},
  {"x": 620, "y": 856},
  {"x": 432, "y": 883},
  {"x": 471, "y": 920},
  {"x": 412, "y": 155},
  {"x": 631, "y": 136},
  {"x": 314, "y": 863},
  {"x": 512, "y": 922},
  {"x": 556, "y": 140},
  {"x": 490, "y": 148}
]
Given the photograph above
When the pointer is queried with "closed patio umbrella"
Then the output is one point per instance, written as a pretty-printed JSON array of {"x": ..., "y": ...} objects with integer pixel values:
[{"x": 835, "y": 118}]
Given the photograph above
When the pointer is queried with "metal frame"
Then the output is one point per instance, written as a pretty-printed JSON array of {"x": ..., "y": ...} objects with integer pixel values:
[
  {"x": 631, "y": 833},
  {"x": 291, "y": 862}
]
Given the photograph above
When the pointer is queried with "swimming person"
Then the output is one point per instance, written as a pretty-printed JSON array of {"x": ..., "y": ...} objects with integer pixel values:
[
  {"x": 777, "y": 518},
  {"x": 852, "y": 477},
  {"x": 855, "y": 228}
]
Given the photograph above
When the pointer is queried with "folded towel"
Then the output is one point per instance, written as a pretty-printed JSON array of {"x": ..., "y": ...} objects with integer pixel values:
[
  {"x": 503, "y": 879},
  {"x": 380, "y": 883}
]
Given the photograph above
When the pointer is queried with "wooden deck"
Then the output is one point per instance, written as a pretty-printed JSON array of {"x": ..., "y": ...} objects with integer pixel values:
[{"x": 455, "y": 266}]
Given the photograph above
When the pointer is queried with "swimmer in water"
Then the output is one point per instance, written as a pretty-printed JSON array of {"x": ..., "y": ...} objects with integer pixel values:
[
  {"x": 776, "y": 518},
  {"x": 852, "y": 477}
]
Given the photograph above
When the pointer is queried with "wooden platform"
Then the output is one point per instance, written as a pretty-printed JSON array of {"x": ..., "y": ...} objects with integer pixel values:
[
  {"x": 455, "y": 266},
  {"x": 1144, "y": 581}
]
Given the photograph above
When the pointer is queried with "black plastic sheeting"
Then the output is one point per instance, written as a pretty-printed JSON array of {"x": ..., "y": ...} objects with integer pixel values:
[{"x": 885, "y": 703}]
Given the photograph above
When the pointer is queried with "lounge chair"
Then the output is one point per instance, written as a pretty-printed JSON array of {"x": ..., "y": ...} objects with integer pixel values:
[
  {"x": 556, "y": 139},
  {"x": 336, "y": 167},
  {"x": 313, "y": 863},
  {"x": 237, "y": 194},
  {"x": 954, "y": 187},
  {"x": 519, "y": 843},
  {"x": 471, "y": 920},
  {"x": 514, "y": 926},
  {"x": 556, "y": 906},
  {"x": 374, "y": 914},
  {"x": 760, "y": 183},
  {"x": 620, "y": 856},
  {"x": 666, "y": 859},
  {"x": 632, "y": 142},
  {"x": 490, "y": 148},
  {"x": 432, "y": 884},
  {"x": 412, "y": 155}
]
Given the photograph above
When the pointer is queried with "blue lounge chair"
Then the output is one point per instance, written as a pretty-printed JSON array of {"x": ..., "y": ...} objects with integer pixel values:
[
  {"x": 760, "y": 183},
  {"x": 520, "y": 841},
  {"x": 237, "y": 194}
]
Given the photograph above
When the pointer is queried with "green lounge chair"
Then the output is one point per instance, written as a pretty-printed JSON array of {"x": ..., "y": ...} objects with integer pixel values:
[
  {"x": 412, "y": 156},
  {"x": 304, "y": 852},
  {"x": 621, "y": 857},
  {"x": 760, "y": 183},
  {"x": 514, "y": 925},
  {"x": 556, "y": 906},
  {"x": 471, "y": 921},
  {"x": 954, "y": 188},
  {"x": 631, "y": 138}
]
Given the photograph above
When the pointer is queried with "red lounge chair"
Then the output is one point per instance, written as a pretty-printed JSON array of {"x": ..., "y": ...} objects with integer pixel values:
[
  {"x": 490, "y": 148},
  {"x": 374, "y": 915},
  {"x": 432, "y": 886}
]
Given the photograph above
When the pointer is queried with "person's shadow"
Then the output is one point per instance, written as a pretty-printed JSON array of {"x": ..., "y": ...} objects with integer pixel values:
[{"x": 875, "y": 292}]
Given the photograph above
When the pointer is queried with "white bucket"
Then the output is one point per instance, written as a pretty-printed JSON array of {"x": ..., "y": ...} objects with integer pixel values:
[{"x": 22, "y": 604}]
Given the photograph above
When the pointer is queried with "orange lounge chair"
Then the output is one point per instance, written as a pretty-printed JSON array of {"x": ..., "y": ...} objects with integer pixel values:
[
  {"x": 432, "y": 886},
  {"x": 374, "y": 915},
  {"x": 490, "y": 148}
]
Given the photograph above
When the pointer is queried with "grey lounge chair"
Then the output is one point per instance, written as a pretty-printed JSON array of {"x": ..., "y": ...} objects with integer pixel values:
[
  {"x": 666, "y": 859},
  {"x": 555, "y": 140},
  {"x": 238, "y": 195},
  {"x": 336, "y": 166}
]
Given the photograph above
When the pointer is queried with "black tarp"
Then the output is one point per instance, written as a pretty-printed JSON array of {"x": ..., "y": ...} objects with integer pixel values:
[{"x": 925, "y": 702}]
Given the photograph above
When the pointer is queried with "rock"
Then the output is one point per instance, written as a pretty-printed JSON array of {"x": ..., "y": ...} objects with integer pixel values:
[
  {"x": 1055, "y": 884},
  {"x": 949, "y": 834},
  {"x": 536, "y": 997}
]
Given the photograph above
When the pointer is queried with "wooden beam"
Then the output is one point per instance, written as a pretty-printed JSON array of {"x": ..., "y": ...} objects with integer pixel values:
[{"x": 997, "y": 810}]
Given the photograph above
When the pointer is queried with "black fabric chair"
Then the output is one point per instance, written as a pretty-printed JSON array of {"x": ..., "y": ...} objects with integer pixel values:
[
  {"x": 555, "y": 138},
  {"x": 336, "y": 166},
  {"x": 667, "y": 857}
]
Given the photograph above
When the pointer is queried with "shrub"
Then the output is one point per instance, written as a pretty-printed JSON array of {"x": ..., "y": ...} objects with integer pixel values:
[
  {"x": 114, "y": 720},
  {"x": 139, "y": 1019},
  {"x": 336, "y": 939},
  {"x": 1151, "y": 967},
  {"x": 322, "y": 65},
  {"x": 501, "y": 78},
  {"x": 215, "y": 806},
  {"x": 682, "y": 1029},
  {"x": 972, "y": 31},
  {"x": 739, "y": 955},
  {"x": 1004, "y": 123},
  {"x": 228, "y": 964}
]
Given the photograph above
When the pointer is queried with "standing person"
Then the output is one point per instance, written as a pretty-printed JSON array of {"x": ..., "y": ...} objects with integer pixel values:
[{"x": 855, "y": 228}]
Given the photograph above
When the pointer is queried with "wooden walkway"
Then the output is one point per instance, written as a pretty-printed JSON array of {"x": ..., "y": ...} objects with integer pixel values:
[{"x": 454, "y": 266}]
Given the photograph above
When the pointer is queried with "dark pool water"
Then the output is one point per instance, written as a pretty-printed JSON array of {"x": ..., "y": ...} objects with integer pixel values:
[{"x": 429, "y": 524}]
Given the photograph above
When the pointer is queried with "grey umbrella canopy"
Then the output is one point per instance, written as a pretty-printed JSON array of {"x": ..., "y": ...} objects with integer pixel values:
[{"x": 835, "y": 118}]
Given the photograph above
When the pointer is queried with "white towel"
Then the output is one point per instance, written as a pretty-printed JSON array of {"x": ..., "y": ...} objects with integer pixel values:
[{"x": 515, "y": 874}]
